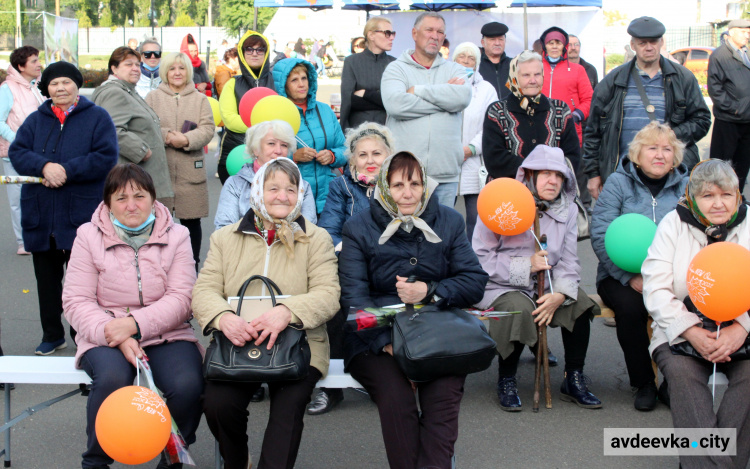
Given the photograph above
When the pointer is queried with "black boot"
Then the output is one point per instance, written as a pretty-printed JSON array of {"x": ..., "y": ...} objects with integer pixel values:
[
  {"x": 645, "y": 398},
  {"x": 575, "y": 389},
  {"x": 551, "y": 359},
  {"x": 163, "y": 464},
  {"x": 507, "y": 392},
  {"x": 258, "y": 395},
  {"x": 664, "y": 393}
]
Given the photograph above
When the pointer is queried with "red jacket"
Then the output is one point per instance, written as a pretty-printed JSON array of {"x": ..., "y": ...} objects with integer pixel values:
[{"x": 569, "y": 82}]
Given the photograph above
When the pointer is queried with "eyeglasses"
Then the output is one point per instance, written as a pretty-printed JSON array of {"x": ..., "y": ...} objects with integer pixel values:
[
  {"x": 386, "y": 32},
  {"x": 253, "y": 51},
  {"x": 152, "y": 53}
]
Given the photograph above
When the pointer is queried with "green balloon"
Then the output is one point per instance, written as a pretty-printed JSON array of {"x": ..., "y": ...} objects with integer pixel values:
[
  {"x": 236, "y": 159},
  {"x": 627, "y": 241}
]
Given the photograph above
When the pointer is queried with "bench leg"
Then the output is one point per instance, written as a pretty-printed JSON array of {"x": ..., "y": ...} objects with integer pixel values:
[
  {"x": 6, "y": 462},
  {"x": 217, "y": 454}
]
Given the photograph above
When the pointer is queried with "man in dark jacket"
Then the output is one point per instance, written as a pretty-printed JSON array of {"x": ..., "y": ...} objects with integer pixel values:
[
  {"x": 494, "y": 63},
  {"x": 574, "y": 56},
  {"x": 729, "y": 88},
  {"x": 669, "y": 93}
]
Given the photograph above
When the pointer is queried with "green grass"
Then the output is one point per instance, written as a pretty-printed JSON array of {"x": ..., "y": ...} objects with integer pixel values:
[{"x": 97, "y": 62}]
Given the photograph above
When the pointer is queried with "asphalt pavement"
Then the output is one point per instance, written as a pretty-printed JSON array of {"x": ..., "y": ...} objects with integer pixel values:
[{"x": 349, "y": 437}]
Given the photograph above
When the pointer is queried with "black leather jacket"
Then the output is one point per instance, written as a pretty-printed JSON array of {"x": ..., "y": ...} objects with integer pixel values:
[
  {"x": 729, "y": 85},
  {"x": 687, "y": 112}
]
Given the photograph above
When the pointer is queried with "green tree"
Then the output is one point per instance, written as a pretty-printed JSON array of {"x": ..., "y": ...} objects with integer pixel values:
[
  {"x": 615, "y": 18},
  {"x": 8, "y": 20},
  {"x": 237, "y": 16},
  {"x": 105, "y": 18},
  {"x": 184, "y": 20},
  {"x": 83, "y": 19}
]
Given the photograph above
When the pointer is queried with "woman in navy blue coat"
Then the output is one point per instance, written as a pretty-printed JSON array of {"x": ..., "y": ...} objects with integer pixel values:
[
  {"x": 72, "y": 144},
  {"x": 367, "y": 147},
  {"x": 404, "y": 233}
]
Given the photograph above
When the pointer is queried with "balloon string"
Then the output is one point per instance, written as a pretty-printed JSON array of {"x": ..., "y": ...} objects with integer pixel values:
[
  {"x": 138, "y": 375},
  {"x": 302, "y": 142},
  {"x": 713, "y": 389},
  {"x": 549, "y": 277}
]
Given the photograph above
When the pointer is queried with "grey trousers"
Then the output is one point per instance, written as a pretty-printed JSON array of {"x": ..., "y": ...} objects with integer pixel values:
[{"x": 692, "y": 404}]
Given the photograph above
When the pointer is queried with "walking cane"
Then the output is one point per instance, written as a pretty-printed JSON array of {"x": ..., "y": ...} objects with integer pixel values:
[{"x": 542, "y": 356}]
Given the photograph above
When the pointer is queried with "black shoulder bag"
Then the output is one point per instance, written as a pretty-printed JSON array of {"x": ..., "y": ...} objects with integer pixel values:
[{"x": 288, "y": 359}]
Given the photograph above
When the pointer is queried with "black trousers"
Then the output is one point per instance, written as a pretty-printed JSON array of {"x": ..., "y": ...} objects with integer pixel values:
[
  {"x": 411, "y": 441},
  {"x": 631, "y": 317},
  {"x": 731, "y": 142},
  {"x": 196, "y": 234},
  {"x": 49, "y": 270},
  {"x": 225, "y": 405}
]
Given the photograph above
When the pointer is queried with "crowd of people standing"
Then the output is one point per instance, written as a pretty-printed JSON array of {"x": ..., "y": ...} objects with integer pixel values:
[{"x": 358, "y": 212}]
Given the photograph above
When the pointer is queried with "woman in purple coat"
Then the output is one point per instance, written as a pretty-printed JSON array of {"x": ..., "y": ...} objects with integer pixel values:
[{"x": 513, "y": 264}]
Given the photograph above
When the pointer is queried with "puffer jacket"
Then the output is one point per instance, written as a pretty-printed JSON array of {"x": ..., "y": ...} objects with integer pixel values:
[
  {"x": 233, "y": 91},
  {"x": 86, "y": 146},
  {"x": 507, "y": 259},
  {"x": 108, "y": 279},
  {"x": 187, "y": 170},
  {"x": 319, "y": 129},
  {"x": 234, "y": 201},
  {"x": 138, "y": 131},
  {"x": 483, "y": 94},
  {"x": 687, "y": 112},
  {"x": 237, "y": 251},
  {"x": 567, "y": 82},
  {"x": 368, "y": 270},
  {"x": 345, "y": 198},
  {"x": 25, "y": 98},
  {"x": 147, "y": 84},
  {"x": 729, "y": 85},
  {"x": 624, "y": 193},
  {"x": 665, "y": 277}
]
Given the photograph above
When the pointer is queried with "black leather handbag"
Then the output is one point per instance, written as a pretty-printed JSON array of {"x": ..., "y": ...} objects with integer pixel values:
[
  {"x": 430, "y": 343},
  {"x": 288, "y": 359}
]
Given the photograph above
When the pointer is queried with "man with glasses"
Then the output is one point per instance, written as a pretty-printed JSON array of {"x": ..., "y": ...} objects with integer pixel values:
[
  {"x": 255, "y": 71},
  {"x": 574, "y": 56},
  {"x": 360, "y": 79},
  {"x": 729, "y": 88},
  {"x": 424, "y": 96},
  {"x": 150, "y": 58},
  {"x": 494, "y": 63}
]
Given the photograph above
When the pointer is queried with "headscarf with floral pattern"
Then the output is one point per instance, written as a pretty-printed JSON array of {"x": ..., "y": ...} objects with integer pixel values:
[{"x": 528, "y": 103}]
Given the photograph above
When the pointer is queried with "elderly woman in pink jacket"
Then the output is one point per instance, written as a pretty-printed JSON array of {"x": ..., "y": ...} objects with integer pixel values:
[{"x": 127, "y": 292}]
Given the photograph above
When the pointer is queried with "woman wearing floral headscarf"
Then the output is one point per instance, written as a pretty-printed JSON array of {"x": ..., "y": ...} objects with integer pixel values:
[
  {"x": 406, "y": 233},
  {"x": 272, "y": 239},
  {"x": 515, "y": 125}
]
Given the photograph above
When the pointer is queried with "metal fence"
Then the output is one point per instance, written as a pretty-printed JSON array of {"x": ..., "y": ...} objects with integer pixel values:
[
  {"x": 102, "y": 41},
  {"x": 615, "y": 37},
  {"x": 32, "y": 33}
]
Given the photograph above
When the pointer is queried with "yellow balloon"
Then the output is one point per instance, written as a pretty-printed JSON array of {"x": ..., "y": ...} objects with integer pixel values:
[
  {"x": 215, "y": 110},
  {"x": 276, "y": 108}
]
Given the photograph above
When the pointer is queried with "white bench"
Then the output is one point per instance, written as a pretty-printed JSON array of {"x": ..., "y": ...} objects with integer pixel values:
[{"x": 62, "y": 370}]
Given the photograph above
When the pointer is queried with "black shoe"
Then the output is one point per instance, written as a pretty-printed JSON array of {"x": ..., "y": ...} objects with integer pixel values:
[
  {"x": 325, "y": 401},
  {"x": 258, "y": 395},
  {"x": 575, "y": 389},
  {"x": 551, "y": 359},
  {"x": 664, "y": 393},
  {"x": 645, "y": 398},
  {"x": 507, "y": 392},
  {"x": 163, "y": 464}
]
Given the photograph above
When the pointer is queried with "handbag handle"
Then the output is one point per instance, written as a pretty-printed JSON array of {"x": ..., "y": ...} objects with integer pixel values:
[
  {"x": 269, "y": 284},
  {"x": 409, "y": 306}
]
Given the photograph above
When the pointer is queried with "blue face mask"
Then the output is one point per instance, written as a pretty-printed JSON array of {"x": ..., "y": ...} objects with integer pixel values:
[
  {"x": 553, "y": 61},
  {"x": 148, "y": 221},
  {"x": 148, "y": 67},
  {"x": 469, "y": 72}
]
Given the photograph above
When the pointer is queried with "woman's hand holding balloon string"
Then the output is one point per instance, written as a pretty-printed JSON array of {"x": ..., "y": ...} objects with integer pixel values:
[{"x": 730, "y": 338}]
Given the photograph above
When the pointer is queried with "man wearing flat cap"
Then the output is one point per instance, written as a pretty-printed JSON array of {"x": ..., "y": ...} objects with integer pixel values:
[
  {"x": 494, "y": 63},
  {"x": 636, "y": 93},
  {"x": 729, "y": 88}
]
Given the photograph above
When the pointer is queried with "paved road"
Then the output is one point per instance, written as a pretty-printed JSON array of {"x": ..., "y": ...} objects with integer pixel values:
[{"x": 349, "y": 437}]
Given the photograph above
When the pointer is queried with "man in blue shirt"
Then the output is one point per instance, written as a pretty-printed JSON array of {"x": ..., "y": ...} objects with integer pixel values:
[{"x": 619, "y": 109}]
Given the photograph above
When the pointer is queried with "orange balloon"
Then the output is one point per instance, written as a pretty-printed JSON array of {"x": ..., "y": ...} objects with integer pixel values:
[
  {"x": 717, "y": 281},
  {"x": 506, "y": 206},
  {"x": 133, "y": 425}
]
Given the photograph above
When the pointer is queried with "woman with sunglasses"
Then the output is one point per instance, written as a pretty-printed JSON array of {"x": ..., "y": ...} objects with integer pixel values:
[
  {"x": 255, "y": 71},
  {"x": 150, "y": 59},
  {"x": 360, "y": 80}
]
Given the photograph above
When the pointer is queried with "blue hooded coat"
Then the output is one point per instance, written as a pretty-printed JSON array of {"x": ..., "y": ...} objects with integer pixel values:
[
  {"x": 345, "y": 198},
  {"x": 319, "y": 129}
]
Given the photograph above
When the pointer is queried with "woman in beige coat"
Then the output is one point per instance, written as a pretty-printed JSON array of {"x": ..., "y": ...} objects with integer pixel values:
[
  {"x": 274, "y": 240},
  {"x": 187, "y": 125}
]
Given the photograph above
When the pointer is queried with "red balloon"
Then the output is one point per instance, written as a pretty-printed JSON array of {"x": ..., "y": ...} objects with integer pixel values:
[
  {"x": 717, "y": 281},
  {"x": 250, "y": 99}
]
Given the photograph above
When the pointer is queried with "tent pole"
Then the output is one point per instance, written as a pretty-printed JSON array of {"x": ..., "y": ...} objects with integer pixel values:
[
  {"x": 525, "y": 27},
  {"x": 255, "y": 19}
]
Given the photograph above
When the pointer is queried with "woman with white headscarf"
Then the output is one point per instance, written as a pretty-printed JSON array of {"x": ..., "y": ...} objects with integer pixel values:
[{"x": 272, "y": 239}]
